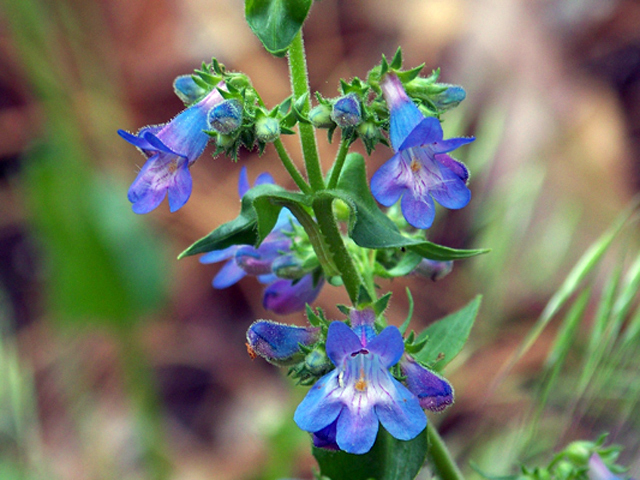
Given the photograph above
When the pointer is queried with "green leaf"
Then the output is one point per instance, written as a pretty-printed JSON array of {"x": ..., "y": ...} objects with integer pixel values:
[
  {"x": 448, "y": 335},
  {"x": 276, "y": 22},
  {"x": 370, "y": 228},
  {"x": 389, "y": 459},
  {"x": 258, "y": 215}
]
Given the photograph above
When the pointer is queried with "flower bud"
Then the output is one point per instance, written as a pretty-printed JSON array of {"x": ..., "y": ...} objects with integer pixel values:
[
  {"x": 317, "y": 362},
  {"x": 187, "y": 89},
  {"x": 267, "y": 129},
  {"x": 320, "y": 117},
  {"x": 278, "y": 343},
  {"x": 451, "y": 97},
  {"x": 226, "y": 118},
  {"x": 434, "y": 392},
  {"x": 369, "y": 131},
  {"x": 433, "y": 269},
  {"x": 346, "y": 111},
  {"x": 579, "y": 452}
]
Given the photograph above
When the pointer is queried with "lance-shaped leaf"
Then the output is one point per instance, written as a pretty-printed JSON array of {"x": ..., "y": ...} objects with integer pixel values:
[
  {"x": 447, "y": 336},
  {"x": 258, "y": 215},
  {"x": 371, "y": 228},
  {"x": 276, "y": 22}
]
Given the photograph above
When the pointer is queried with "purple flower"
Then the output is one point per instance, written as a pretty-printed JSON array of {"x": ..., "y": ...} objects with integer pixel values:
[
  {"x": 598, "y": 470},
  {"x": 251, "y": 258},
  {"x": 343, "y": 409},
  {"x": 421, "y": 170},
  {"x": 279, "y": 343},
  {"x": 434, "y": 392},
  {"x": 287, "y": 296},
  {"x": 170, "y": 150},
  {"x": 282, "y": 296}
]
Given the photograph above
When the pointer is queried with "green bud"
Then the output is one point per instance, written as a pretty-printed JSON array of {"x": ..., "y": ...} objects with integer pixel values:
[
  {"x": 579, "y": 452},
  {"x": 317, "y": 362},
  {"x": 320, "y": 117},
  {"x": 267, "y": 129}
]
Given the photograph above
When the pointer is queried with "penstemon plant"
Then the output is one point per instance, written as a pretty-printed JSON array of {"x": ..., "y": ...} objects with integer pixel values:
[{"x": 371, "y": 382}]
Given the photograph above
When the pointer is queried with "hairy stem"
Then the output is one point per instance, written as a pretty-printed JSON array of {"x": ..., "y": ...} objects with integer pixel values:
[
  {"x": 441, "y": 459},
  {"x": 300, "y": 87}
]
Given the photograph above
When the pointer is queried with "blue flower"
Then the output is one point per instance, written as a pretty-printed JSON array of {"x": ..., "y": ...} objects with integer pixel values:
[
  {"x": 421, "y": 170},
  {"x": 278, "y": 343},
  {"x": 282, "y": 296},
  {"x": 170, "y": 149},
  {"x": 287, "y": 296},
  {"x": 434, "y": 392},
  {"x": 346, "y": 111},
  {"x": 259, "y": 258},
  {"x": 344, "y": 408}
]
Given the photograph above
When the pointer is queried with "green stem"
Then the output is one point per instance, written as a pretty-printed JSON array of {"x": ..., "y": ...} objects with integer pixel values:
[
  {"x": 316, "y": 239},
  {"x": 291, "y": 168},
  {"x": 339, "y": 162},
  {"x": 440, "y": 456},
  {"x": 300, "y": 87},
  {"x": 341, "y": 256}
]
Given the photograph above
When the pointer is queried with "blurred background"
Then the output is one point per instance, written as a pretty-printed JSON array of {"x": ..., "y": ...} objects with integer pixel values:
[{"x": 119, "y": 362}]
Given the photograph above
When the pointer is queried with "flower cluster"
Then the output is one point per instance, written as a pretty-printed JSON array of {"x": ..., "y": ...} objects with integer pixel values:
[
  {"x": 282, "y": 296},
  {"x": 344, "y": 408}
]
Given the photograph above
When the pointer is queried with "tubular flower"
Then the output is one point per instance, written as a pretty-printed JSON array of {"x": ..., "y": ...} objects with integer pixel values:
[
  {"x": 278, "y": 343},
  {"x": 434, "y": 392},
  {"x": 420, "y": 171},
  {"x": 282, "y": 296},
  {"x": 252, "y": 259},
  {"x": 343, "y": 409},
  {"x": 170, "y": 149}
]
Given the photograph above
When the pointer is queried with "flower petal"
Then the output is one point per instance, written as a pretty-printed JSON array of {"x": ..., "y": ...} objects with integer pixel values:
[
  {"x": 451, "y": 192},
  {"x": 243, "y": 182},
  {"x": 219, "y": 255},
  {"x": 357, "y": 429},
  {"x": 341, "y": 342},
  {"x": 427, "y": 131},
  {"x": 229, "y": 274},
  {"x": 158, "y": 144},
  {"x": 320, "y": 407},
  {"x": 402, "y": 417},
  {"x": 386, "y": 184},
  {"x": 135, "y": 140},
  {"x": 180, "y": 188},
  {"x": 444, "y": 146},
  {"x": 455, "y": 166},
  {"x": 418, "y": 211},
  {"x": 388, "y": 345}
]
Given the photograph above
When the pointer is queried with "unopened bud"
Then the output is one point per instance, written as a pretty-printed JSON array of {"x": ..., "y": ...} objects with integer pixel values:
[
  {"x": 278, "y": 343},
  {"x": 267, "y": 129},
  {"x": 187, "y": 89},
  {"x": 320, "y": 117},
  {"x": 226, "y": 117},
  {"x": 346, "y": 111}
]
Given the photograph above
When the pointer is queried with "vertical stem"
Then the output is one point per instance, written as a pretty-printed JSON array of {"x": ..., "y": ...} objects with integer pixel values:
[
  {"x": 300, "y": 87},
  {"x": 341, "y": 256},
  {"x": 440, "y": 456},
  {"x": 291, "y": 168},
  {"x": 339, "y": 162}
]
